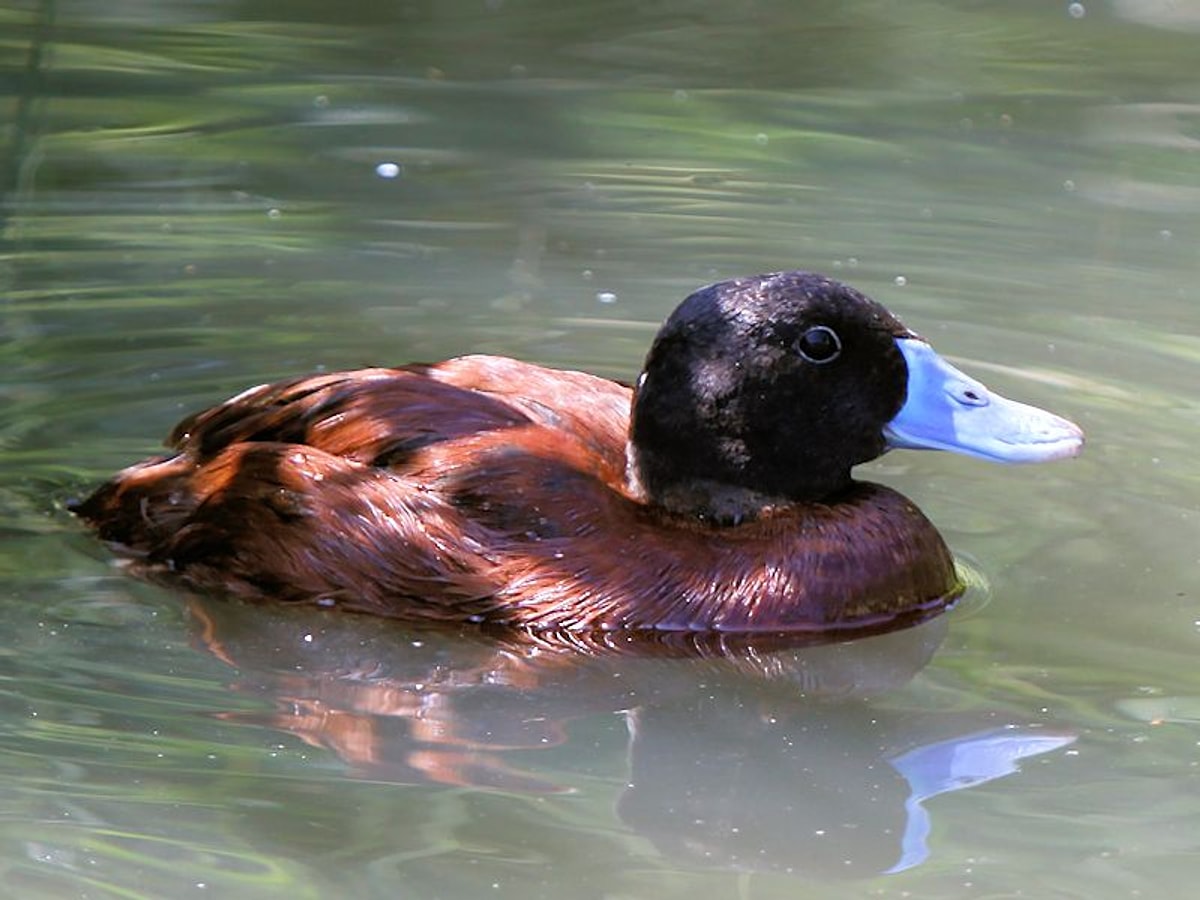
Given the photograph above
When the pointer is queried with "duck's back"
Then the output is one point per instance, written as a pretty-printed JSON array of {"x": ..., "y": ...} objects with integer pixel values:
[{"x": 353, "y": 487}]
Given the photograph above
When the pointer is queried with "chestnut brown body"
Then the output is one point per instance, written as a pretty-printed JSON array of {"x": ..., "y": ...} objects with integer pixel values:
[{"x": 486, "y": 489}]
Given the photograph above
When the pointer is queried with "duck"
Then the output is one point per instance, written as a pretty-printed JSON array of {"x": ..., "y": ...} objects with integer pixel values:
[{"x": 712, "y": 495}]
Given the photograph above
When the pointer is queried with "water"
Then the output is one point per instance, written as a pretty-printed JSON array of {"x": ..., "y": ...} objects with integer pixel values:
[{"x": 202, "y": 196}]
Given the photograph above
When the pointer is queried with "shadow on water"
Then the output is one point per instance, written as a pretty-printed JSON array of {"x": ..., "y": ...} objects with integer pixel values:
[{"x": 750, "y": 756}]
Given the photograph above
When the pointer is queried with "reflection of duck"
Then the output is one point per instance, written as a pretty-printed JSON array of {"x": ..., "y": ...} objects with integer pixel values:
[
  {"x": 759, "y": 758},
  {"x": 407, "y": 702},
  {"x": 716, "y": 494}
]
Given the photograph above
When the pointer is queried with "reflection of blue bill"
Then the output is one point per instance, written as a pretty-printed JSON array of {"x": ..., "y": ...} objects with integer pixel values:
[{"x": 958, "y": 763}]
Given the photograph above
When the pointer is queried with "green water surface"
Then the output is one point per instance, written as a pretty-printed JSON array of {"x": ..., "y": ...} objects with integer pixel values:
[{"x": 199, "y": 196}]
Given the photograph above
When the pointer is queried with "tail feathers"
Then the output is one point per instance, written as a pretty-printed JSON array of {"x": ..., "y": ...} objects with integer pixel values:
[{"x": 141, "y": 507}]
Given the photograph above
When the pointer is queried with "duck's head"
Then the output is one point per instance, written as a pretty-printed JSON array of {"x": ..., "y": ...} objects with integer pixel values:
[{"x": 765, "y": 391}]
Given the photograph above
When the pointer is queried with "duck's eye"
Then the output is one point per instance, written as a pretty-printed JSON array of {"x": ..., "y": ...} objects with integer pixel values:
[{"x": 820, "y": 344}]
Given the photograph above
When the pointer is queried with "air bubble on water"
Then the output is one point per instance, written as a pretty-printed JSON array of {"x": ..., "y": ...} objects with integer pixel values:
[
  {"x": 762, "y": 139},
  {"x": 388, "y": 170},
  {"x": 1069, "y": 186},
  {"x": 1076, "y": 10},
  {"x": 606, "y": 297},
  {"x": 900, "y": 281}
]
